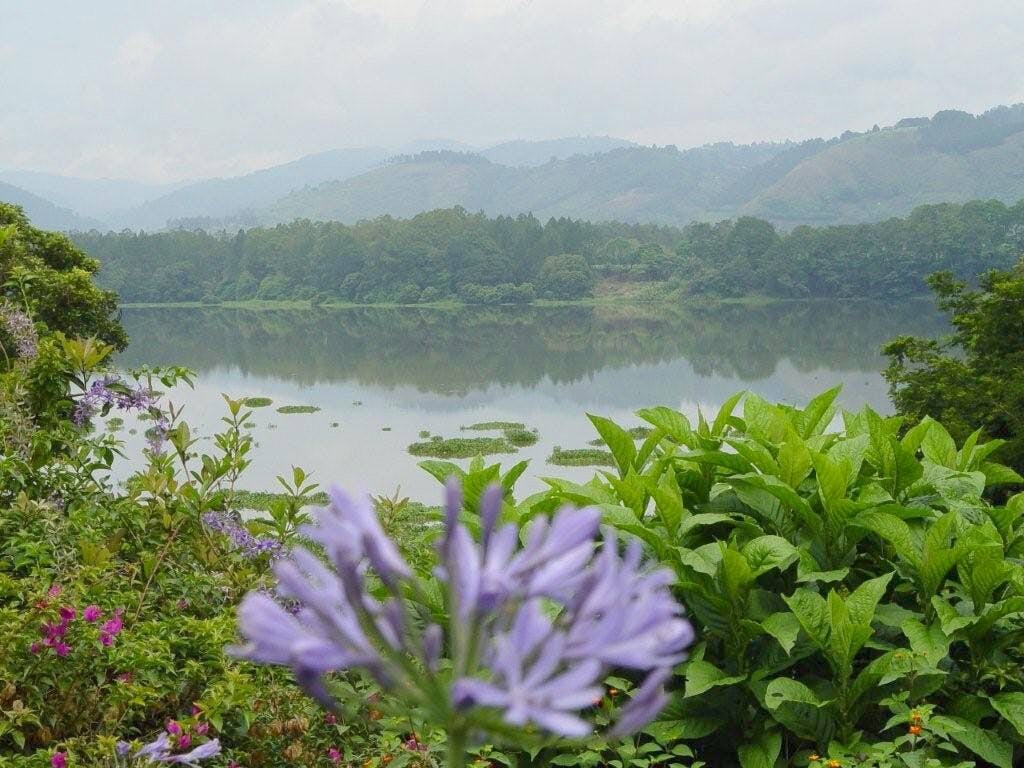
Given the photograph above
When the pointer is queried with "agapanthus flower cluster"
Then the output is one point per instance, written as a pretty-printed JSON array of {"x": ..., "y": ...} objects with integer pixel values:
[
  {"x": 533, "y": 628},
  {"x": 240, "y": 536},
  {"x": 20, "y": 329}
]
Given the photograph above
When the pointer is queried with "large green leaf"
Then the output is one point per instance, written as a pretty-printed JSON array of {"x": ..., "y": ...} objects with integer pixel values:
[
  {"x": 1011, "y": 706},
  {"x": 762, "y": 753},
  {"x": 815, "y": 418},
  {"x": 799, "y": 709},
  {"x": 930, "y": 642},
  {"x": 767, "y": 552},
  {"x": 864, "y": 599},
  {"x": 672, "y": 423},
  {"x": 938, "y": 446},
  {"x": 702, "y": 676},
  {"x": 985, "y": 744},
  {"x": 618, "y": 440},
  {"x": 794, "y": 461},
  {"x": 784, "y": 627},
  {"x": 892, "y": 530},
  {"x": 812, "y": 613}
]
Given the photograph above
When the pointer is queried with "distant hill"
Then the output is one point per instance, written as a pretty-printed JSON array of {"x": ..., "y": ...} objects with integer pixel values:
[
  {"x": 952, "y": 156},
  {"x": 98, "y": 199},
  {"x": 539, "y": 152},
  {"x": 43, "y": 213}
]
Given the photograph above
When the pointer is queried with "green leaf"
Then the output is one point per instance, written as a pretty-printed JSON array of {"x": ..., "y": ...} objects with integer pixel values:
[
  {"x": 862, "y": 601},
  {"x": 938, "y": 446},
  {"x": 815, "y": 418},
  {"x": 672, "y": 423},
  {"x": 998, "y": 474},
  {"x": 799, "y": 709},
  {"x": 767, "y": 552},
  {"x": 725, "y": 413},
  {"x": 980, "y": 741},
  {"x": 784, "y": 627},
  {"x": 931, "y": 642},
  {"x": 1010, "y": 705},
  {"x": 617, "y": 439},
  {"x": 761, "y": 754},
  {"x": 812, "y": 613},
  {"x": 794, "y": 461},
  {"x": 702, "y": 676},
  {"x": 894, "y": 531}
]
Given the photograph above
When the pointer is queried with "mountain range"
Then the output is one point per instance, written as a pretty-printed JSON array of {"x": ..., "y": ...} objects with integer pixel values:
[{"x": 953, "y": 156}]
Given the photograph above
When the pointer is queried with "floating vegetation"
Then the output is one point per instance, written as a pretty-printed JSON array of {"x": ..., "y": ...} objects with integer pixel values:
[
  {"x": 256, "y": 402},
  {"x": 461, "y": 447},
  {"x": 334, "y": 424},
  {"x": 481, "y": 426},
  {"x": 133, "y": 431},
  {"x": 271, "y": 426},
  {"x": 637, "y": 433},
  {"x": 385, "y": 429},
  {"x": 115, "y": 423},
  {"x": 357, "y": 402},
  {"x": 581, "y": 457},
  {"x": 298, "y": 409},
  {"x": 261, "y": 500},
  {"x": 250, "y": 425},
  {"x": 521, "y": 437},
  {"x": 424, "y": 434}
]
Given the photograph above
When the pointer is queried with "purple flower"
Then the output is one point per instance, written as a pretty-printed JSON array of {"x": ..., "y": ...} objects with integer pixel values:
[
  {"x": 122, "y": 748},
  {"x": 534, "y": 628},
  {"x": 67, "y": 613},
  {"x": 159, "y": 751},
  {"x": 241, "y": 539},
  {"x": 92, "y": 613},
  {"x": 59, "y": 760},
  {"x": 20, "y": 329}
]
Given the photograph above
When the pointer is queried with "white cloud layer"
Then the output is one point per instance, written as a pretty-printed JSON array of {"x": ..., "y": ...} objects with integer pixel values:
[{"x": 171, "y": 89}]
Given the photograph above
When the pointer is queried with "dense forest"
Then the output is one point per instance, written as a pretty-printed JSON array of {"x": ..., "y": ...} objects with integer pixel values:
[{"x": 455, "y": 255}]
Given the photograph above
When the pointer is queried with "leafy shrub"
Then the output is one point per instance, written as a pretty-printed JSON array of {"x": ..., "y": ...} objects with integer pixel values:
[{"x": 855, "y": 591}]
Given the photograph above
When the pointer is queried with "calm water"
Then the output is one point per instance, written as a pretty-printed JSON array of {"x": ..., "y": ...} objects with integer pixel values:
[{"x": 411, "y": 370}]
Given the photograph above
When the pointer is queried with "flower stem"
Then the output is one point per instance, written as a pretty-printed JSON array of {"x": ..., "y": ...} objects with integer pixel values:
[{"x": 457, "y": 746}]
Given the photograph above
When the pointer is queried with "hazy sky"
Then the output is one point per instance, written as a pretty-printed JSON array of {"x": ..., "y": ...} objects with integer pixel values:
[{"x": 162, "y": 90}]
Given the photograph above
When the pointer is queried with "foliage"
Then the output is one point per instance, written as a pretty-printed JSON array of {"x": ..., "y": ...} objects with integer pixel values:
[
  {"x": 460, "y": 447},
  {"x": 453, "y": 255},
  {"x": 581, "y": 457},
  {"x": 974, "y": 378},
  {"x": 256, "y": 402},
  {"x": 484, "y": 426},
  {"x": 52, "y": 279},
  {"x": 855, "y": 592}
]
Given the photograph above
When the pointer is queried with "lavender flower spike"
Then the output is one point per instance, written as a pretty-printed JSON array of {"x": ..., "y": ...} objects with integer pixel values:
[{"x": 532, "y": 630}]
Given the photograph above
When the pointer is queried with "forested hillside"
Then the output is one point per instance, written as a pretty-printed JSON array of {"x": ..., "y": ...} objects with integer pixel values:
[{"x": 453, "y": 254}]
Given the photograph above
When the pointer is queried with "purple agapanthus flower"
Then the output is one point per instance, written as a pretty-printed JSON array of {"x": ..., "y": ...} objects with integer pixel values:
[
  {"x": 241, "y": 538},
  {"x": 161, "y": 751},
  {"x": 21, "y": 329},
  {"x": 533, "y": 628}
]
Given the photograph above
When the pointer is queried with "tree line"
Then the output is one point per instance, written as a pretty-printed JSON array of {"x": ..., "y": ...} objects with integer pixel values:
[{"x": 451, "y": 254}]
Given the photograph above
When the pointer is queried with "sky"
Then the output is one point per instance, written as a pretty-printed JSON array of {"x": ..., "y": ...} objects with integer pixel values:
[{"x": 166, "y": 90}]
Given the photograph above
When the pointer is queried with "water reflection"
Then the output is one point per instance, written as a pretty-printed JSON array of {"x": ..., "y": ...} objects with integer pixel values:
[{"x": 415, "y": 369}]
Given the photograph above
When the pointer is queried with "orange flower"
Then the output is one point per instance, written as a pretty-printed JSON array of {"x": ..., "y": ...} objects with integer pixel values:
[
  {"x": 914, "y": 730},
  {"x": 833, "y": 764},
  {"x": 814, "y": 758},
  {"x": 375, "y": 714},
  {"x": 613, "y": 692}
]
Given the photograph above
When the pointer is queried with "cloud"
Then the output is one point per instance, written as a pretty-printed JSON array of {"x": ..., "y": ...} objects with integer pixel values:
[{"x": 205, "y": 89}]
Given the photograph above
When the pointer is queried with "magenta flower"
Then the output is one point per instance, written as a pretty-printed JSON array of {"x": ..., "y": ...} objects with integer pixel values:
[
  {"x": 534, "y": 627},
  {"x": 173, "y": 727},
  {"x": 330, "y": 718},
  {"x": 54, "y": 591},
  {"x": 184, "y": 741},
  {"x": 59, "y": 760},
  {"x": 202, "y": 728},
  {"x": 111, "y": 628},
  {"x": 92, "y": 613},
  {"x": 67, "y": 613},
  {"x": 334, "y": 755},
  {"x": 61, "y": 648}
]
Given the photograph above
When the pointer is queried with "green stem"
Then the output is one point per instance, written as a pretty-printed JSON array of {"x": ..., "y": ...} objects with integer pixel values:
[{"x": 457, "y": 746}]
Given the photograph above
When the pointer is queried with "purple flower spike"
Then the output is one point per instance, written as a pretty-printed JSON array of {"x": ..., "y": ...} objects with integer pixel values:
[{"x": 533, "y": 629}]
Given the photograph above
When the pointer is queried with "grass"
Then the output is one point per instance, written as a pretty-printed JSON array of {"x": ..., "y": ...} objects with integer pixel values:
[
  {"x": 298, "y": 409},
  {"x": 461, "y": 447},
  {"x": 256, "y": 402},
  {"x": 481, "y": 426},
  {"x": 581, "y": 457}
]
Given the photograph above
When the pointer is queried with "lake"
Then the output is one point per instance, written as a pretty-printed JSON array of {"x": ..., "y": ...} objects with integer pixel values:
[{"x": 383, "y": 375}]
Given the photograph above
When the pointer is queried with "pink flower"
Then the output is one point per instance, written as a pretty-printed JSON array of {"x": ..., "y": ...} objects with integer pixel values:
[
  {"x": 330, "y": 718},
  {"x": 124, "y": 677},
  {"x": 196, "y": 710},
  {"x": 35, "y": 647},
  {"x": 92, "y": 613},
  {"x": 233, "y": 764},
  {"x": 334, "y": 755},
  {"x": 54, "y": 591},
  {"x": 111, "y": 628},
  {"x": 59, "y": 760},
  {"x": 173, "y": 728},
  {"x": 67, "y": 613},
  {"x": 62, "y": 649},
  {"x": 202, "y": 728},
  {"x": 184, "y": 741}
]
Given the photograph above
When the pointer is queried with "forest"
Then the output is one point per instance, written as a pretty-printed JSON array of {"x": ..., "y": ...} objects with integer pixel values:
[{"x": 453, "y": 254}]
